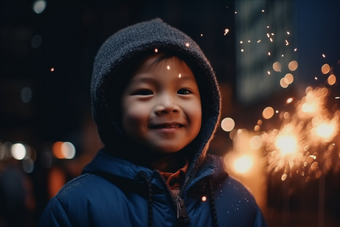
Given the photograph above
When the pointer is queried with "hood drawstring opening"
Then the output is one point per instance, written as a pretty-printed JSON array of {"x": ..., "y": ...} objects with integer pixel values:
[
  {"x": 150, "y": 195},
  {"x": 212, "y": 202}
]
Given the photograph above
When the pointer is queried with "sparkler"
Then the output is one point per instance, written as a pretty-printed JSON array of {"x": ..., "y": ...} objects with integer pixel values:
[{"x": 305, "y": 143}]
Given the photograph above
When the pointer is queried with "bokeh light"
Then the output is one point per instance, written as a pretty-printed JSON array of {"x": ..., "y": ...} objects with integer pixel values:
[
  {"x": 243, "y": 164},
  {"x": 39, "y": 6},
  {"x": 293, "y": 65},
  {"x": 18, "y": 151},
  {"x": 277, "y": 66},
  {"x": 227, "y": 124},
  {"x": 325, "y": 69},
  {"x": 331, "y": 80},
  {"x": 268, "y": 112}
]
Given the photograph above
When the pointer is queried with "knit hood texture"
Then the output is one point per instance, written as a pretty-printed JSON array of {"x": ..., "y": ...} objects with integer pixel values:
[{"x": 123, "y": 48}]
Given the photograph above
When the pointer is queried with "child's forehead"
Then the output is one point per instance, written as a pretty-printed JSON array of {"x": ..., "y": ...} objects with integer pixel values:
[{"x": 170, "y": 62}]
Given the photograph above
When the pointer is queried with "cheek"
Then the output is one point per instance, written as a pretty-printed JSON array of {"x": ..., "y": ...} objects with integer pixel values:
[{"x": 133, "y": 116}]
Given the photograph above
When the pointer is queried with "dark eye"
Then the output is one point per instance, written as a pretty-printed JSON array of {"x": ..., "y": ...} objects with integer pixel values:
[
  {"x": 143, "y": 92},
  {"x": 184, "y": 92}
]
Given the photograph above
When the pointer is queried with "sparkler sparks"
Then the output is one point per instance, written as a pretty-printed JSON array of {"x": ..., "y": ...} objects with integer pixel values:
[
  {"x": 304, "y": 144},
  {"x": 226, "y": 31}
]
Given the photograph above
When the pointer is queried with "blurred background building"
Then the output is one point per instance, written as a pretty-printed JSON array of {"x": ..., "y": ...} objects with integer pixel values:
[{"x": 266, "y": 53}]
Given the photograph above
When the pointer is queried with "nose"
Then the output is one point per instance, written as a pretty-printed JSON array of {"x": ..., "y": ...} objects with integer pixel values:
[{"x": 166, "y": 104}]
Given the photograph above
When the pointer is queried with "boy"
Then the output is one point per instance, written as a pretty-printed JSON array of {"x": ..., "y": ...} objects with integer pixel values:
[{"x": 156, "y": 103}]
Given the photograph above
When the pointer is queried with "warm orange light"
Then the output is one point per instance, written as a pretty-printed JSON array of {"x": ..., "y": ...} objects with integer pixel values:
[
  {"x": 227, "y": 124},
  {"x": 283, "y": 83},
  {"x": 277, "y": 67},
  {"x": 243, "y": 164},
  {"x": 286, "y": 144},
  {"x": 325, "y": 69},
  {"x": 204, "y": 198},
  {"x": 57, "y": 150},
  {"x": 293, "y": 65},
  {"x": 268, "y": 112},
  {"x": 331, "y": 80},
  {"x": 325, "y": 131},
  {"x": 156, "y": 50},
  {"x": 257, "y": 128},
  {"x": 289, "y": 78}
]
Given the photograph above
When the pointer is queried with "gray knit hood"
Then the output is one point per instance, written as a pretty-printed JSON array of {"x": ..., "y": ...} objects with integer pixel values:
[{"x": 124, "y": 47}]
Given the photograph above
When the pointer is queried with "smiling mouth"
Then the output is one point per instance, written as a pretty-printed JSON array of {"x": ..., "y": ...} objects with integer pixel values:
[{"x": 160, "y": 126}]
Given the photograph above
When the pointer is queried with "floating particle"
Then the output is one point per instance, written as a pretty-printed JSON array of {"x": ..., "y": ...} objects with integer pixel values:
[
  {"x": 268, "y": 35},
  {"x": 168, "y": 67},
  {"x": 226, "y": 7},
  {"x": 242, "y": 50},
  {"x": 287, "y": 43},
  {"x": 235, "y": 12},
  {"x": 201, "y": 34},
  {"x": 277, "y": 66},
  {"x": 323, "y": 55},
  {"x": 271, "y": 40},
  {"x": 204, "y": 198},
  {"x": 269, "y": 53},
  {"x": 337, "y": 97},
  {"x": 241, "y": 41},
  {"x": 325, "y": 69},
  {"x": 267, "y": 26},
  {"x": 295, "y": 49},
  {"x": 248, "y": 41},
  {"x": 179, "y": 75},
  {"x": 258, "y": 41},
  {"x": 288, "y": 33},
  {"x": 315, "y": 78},
  {"x": 293, "y": 65},
  {"x": 268, "y": 112},
  {"x": 331, "y": 79},
  {"x": 272, "y": 34},
  {"x": 187, "y": 44},
  {"x": 282, "y": 55},
  {"x": 156, "y": 50},
  {"x": 226, "y": 31},
  {"x": 276, "y": 111},
  {"x": 263, "y": 11},
  {"x": 268, "y": 72},
  {"x": 289, "y": 100},
  {"x": 52, "y": 69}
]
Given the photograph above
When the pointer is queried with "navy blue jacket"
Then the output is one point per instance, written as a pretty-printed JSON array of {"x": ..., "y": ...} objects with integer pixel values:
[{"x": 110, "y": 193}]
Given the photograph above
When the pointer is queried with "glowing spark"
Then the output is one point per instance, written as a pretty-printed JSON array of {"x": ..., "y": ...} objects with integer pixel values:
[
  {"x": 271, "y": 40},
  {"x": 52, "y": 69},
  {"x": 323, "y": 55},
  {"x": 337, "y": 97},
  {"x": 187, "y": 44},
  {"x": 272, "y": 34},
  {"x": 263, "y": 11},
  {"x": 325, "y": 131},
  {"x": 290, "y": 100},
  {"x": 287, "y": 43},
  {"x": 315, "y": 78},
  {"x": 276, "y": 111},
  {"x": 226, "y": 31},
  {"x": 268, "y": 35},
  {"x": 243, "y": 164},
  {"x": 295, "y": 49},
  {"x": 156, "y": 50},
  {"x": 201, "y": 34},
  {"x": 268, "y": 72},
  {"x": 242, "y": 50},
  {"x": 282, "y": 55},
  {"x": 168, "y": 67},
  {"x": 268, "y": 53},
  {"x": 179, "y": 75},
  {"x": 286, "y": 144},
  {"x": 235, "y": 12},
  {"x": 258, "y": 41},
  {"x": 288, "y": 33},
  {"x": 248, "y": 41},
  {"x": 241, "y": 41},
  {"x": 204, "y": 198},
  {"x": 268, "y": 26}
]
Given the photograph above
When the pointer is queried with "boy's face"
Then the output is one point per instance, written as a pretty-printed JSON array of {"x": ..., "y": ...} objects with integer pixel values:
[{"x": 161, "y": 106}]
